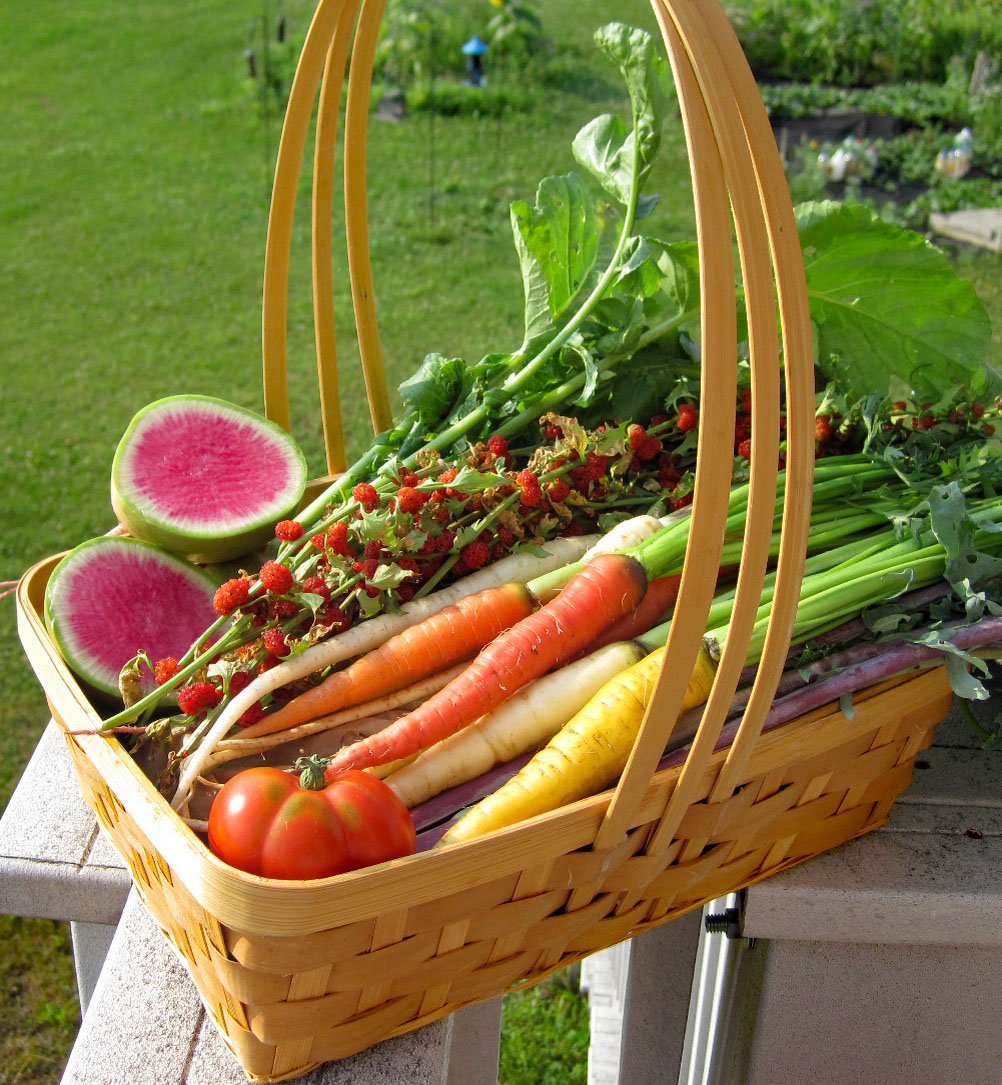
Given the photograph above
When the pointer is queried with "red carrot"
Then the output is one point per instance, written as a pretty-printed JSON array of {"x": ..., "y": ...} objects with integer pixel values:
[
  {"x": 654, "y": 608},
  {"x": 608, "y": 587},
  {"x": 650, "y": 611},
  {"x": 452, "y": 635}
]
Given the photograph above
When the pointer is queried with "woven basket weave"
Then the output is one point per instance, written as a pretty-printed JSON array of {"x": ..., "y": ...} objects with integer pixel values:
[{"x": 299, "y": 973}]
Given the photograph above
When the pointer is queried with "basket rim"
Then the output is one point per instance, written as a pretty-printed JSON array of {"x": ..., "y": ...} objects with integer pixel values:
[{"x": 251, "y": 904}]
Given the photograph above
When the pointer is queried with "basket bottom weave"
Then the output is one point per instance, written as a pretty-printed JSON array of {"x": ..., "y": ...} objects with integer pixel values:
[{"x": 288, "y": 1003}]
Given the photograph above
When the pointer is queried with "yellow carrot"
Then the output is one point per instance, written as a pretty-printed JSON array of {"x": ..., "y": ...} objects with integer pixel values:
[{"x": 586, "y": 755}]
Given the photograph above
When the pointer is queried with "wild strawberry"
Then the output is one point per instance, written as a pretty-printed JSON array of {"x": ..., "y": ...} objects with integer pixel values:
[
  {"x": 275, "y": 577},
  {"x": 198, "y": 696},
  {"x": 275, "y": 643},
  {"x": 579, "y": 478},
  {"x": 648, "y": 448},
  {"x": 668, "y": 476},
  {"x": 558, "y": 490},
  {"x": 405, "y": 592},
  {"x": 334, "y": 616},
  {"x": 338, "y": 540},
  {"x": 552, "y": 433},
  {"x": 410, "y": 565},
  {"x": 596, "y": 465},
  {"x": 230, "y": 595},
  {"x": 448, "y": 475},
  {"x": 373, "y": 549},
  {"x": 744, "y": 449},
  {"x": 280, "y": 609},
  {"x": 988, "y": 430},
  {"x": 823, "y": 428},
  {"x": 572, "y": 530},
  {"x": 319, "y": 541},
  {"x": 635, "y": 436},
  {"x": 977, "y": 410},
  {"x": 410, "y": 500},
  {"x": 498, "y": 445},
  {"x": 475, "y": 554},
  {"x": 267, "y": 663},
  {"x": 316, "y": 585},
  {"x": 506, "y": 537},
  {"x": 165, "y": 669},
  {"x": 288, "y": 530},
  {"x": 239, "y": 680},
  {"x": 366, "y": 495},
  {"x": 746, "y": 401},
  {"x": 688, "y": 417},
  {"x": 408, "y": 478},
  {"x": 252, "y": 715}
]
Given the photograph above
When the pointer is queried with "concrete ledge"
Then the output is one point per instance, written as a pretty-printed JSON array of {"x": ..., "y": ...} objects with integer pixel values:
[
  {"x": 930, "y": 876},
  {"x": 55, "y": 863}
]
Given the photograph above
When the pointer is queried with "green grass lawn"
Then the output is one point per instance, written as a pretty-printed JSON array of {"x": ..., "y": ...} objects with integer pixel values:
[
  {"x": 133, "y": 208},
  {"x": 133, "y": 205}
]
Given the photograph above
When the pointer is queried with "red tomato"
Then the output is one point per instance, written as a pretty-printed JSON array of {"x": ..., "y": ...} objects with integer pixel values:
[{"x": 266, "y": 822}]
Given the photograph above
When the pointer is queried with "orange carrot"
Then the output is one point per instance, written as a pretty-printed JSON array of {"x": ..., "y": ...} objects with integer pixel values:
[
  {"x": 454, "y": 634},
  {"x": 606, "y": 588}
]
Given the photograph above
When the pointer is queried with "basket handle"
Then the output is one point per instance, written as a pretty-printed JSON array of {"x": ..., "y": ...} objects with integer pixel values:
[
  {"x": 724, "y": 117},
  {"x": 321, "y": 66}
]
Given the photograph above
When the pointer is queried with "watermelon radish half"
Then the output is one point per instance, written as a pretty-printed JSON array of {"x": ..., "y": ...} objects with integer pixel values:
[
  {"x": 111, "y": 597},
  {"x": 204, "y": 478}
]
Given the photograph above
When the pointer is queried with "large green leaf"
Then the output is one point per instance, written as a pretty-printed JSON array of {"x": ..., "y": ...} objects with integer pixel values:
[
  {"x": 562, "y": 249},
  {"x": 619, "y": 155},
  {"x": 889, "y": 308}
]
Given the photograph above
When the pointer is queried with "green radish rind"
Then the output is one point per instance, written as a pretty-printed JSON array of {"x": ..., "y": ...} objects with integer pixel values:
[
  {"x": 62, "y": 606},
  {"x": 209, "y": 541}
]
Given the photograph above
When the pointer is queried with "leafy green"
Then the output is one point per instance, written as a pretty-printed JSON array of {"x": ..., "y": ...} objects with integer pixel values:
[
  {"x": 887, "y": 304},
  {"x": 957, "y": 532},
  {"x": 618, "y": 155},
  {"x": 563, "y": 246}
]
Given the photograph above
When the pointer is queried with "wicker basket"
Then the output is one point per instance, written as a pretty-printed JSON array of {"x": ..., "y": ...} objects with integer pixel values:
[{"x": 299, "y": 973}]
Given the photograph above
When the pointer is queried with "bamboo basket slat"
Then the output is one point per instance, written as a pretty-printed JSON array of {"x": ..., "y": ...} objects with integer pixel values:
[{"x": 297, "y": 973}]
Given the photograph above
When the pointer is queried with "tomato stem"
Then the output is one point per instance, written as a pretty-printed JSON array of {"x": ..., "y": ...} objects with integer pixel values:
[{"x": 312, "y": 772}]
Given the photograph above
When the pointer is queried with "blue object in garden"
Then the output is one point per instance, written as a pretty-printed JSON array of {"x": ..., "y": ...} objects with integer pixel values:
[{"x": 475, "y": 49}]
